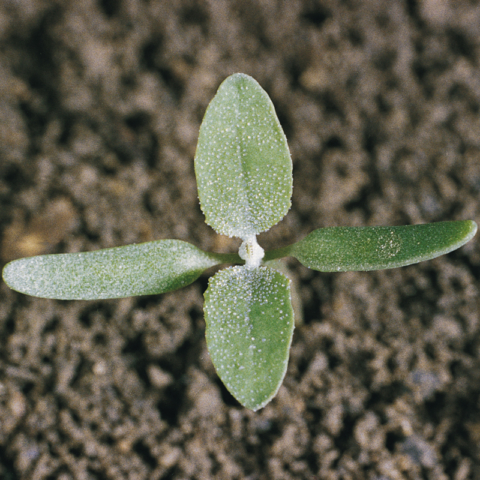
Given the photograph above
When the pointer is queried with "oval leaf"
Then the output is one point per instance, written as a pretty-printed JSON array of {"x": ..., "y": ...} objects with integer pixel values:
[
  {"x": 143, "y": 269},
  {"x": 341, "y": 249},
  {"x": 242, "y": 162},
  {"x": 249, "y": 327}
]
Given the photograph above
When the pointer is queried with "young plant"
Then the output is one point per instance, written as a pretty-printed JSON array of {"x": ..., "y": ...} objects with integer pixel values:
[{"x": 244, "y": 175}]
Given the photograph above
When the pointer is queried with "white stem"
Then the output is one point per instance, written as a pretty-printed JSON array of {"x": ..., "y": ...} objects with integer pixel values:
[{"x": 251, "y": 252}]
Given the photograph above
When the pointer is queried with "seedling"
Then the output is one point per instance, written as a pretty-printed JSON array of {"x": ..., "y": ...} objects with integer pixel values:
[{"x": 244, "y": 175}]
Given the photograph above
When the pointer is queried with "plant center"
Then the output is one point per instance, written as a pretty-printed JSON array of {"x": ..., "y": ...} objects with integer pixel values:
[{"x": 251, "y": 252}]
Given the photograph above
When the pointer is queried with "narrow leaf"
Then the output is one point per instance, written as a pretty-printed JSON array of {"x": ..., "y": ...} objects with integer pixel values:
[
  {"x": 249, "y": 320},
  {"x": 341, "y": 249},
  {"x": 143, "y": 269},
  {"x": 242, "y": 162}
]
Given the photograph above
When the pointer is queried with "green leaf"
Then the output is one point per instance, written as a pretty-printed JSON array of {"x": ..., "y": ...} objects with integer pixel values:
[
  {"x": 249, "y": 327},
  {"x": 242, "y": 162},
  {"x": 143, "y": 269},
  {"x": 342, "y": 249}
]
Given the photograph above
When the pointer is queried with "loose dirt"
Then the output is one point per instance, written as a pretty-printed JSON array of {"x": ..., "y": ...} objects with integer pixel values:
[{"x": 100, "y": 104}]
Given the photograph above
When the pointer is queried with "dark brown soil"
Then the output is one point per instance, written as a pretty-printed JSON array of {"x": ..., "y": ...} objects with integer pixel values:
[{"x": 101, "y": 102}]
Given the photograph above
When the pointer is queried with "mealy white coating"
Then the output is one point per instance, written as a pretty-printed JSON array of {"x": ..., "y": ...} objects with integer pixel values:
[
  {"x": 249, "y": 322},
  {"x": 242, "y": 163},
  {"x": 143, "y": 269},
  {"x": 251, "y": 252}
]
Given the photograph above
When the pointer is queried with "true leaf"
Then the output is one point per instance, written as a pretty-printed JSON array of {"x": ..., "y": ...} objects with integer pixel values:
[
  {"x": 143, "y": 269},
  {"x": 341, "y": 249},
  {"x": 249, "y": 327},
  {"x": 242, "y": 162}
]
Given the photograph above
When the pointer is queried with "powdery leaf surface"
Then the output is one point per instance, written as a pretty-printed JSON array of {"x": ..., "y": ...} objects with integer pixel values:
[
  {"x": 143, "y": 269},
  {"x": 373, "y": 248},
  {"x": 242, "y": 163},
  {"x": 249, "y": 321}
]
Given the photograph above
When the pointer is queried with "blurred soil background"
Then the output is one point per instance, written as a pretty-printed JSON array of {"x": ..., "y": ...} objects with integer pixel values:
[{"x": 100, "y": 105}]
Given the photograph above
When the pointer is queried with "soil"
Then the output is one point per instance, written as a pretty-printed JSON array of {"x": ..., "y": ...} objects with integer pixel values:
[{"x": 101, "y": 102}]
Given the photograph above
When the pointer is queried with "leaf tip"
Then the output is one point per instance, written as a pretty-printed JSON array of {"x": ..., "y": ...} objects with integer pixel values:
[{"x": 473, "y": 227}]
